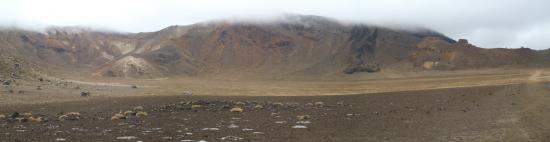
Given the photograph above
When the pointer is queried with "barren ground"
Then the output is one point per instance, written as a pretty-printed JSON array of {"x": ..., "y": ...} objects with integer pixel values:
[{"x": 478, "y": 106}]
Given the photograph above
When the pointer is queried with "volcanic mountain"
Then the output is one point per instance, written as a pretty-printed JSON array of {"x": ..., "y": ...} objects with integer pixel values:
[{"x": 292, "y": 46}]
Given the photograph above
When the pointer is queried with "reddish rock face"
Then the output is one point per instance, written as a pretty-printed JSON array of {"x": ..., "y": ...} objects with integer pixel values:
[{"x": 301, "y": 45}]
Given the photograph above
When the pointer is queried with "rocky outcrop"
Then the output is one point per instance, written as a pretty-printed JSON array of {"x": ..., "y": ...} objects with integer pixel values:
[{"x": 438, "y": 54}]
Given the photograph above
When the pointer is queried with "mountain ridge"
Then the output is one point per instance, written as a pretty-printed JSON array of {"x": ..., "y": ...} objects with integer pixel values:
[{"x": 302, "y": 45}]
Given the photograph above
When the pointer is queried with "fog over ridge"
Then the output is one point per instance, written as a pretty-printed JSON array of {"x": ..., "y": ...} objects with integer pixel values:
[{"x": 487, "y": 23}]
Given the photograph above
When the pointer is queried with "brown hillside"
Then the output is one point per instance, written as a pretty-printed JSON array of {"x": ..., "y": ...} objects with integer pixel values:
[{"x": 298, "y": 45}]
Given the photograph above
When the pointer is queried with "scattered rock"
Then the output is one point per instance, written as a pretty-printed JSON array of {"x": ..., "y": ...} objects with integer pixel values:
[
  {"x": 167, "y": 138},
  {"x": 26, "y": 114},
  {"x": 118, "y": 116},
  {"x": 10, "y": 91},
  {"x": 210, "y": 129},
  {"x": 239, "y": 103},
  {"x": 21, "y": 119},
  {"x": 319, "y": 104},
  {"x": 85, "y": 94},
  {"x": 70, "y": 116},
  {"x": 77, "y": 87},
  {"x": 2, "y": 116},
  {"x": 129, "y": 113},
  {"x": 138, "y": 108},
  {"x": 258, "y": 106},
  {"x": 195, "y": 106},
  {"x": 134, "y": 86},
  {"x": 231, "y": 138},
  {"x": 14, "y": 115},
  {"x": 37, "y": 119},
  {"x": 38, "y": 88},
  {"x": 340, "y": 103},
  {"x": 303, "y": 117},
  {"x": 293, "y": 105},
  {"x": 278, "y": 104},
  {"x": 309, "y": 104},
  {"x": 236, "y": 109},
  {"x": 126, "y": 138},
  {"x": 232, "y": 126},
  {"x": 370, "y": 68},
  {"x": 299, "y": 127},
  {"x": 141, "y": 114},
  {"x": 21, "y": 92}
]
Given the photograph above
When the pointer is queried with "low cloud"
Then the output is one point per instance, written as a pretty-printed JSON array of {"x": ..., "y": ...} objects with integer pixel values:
[{"x": 486, "y": 23}]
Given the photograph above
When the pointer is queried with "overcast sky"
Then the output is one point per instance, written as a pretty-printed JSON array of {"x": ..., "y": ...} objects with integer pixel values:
[{"x": 486, "y": 23}]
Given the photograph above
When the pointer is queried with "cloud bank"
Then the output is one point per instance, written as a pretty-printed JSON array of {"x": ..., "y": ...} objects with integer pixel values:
[{"x": 486, "y": 23}]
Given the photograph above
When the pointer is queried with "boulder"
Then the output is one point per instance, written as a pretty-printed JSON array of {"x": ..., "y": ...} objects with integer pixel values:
[
  {"x": 85, "y": 94},
  {"x": 118, "y": 116},
  {"x": 303, "y": 117},
  {"x": 37, "y": 119},
  {"x": 370, "y": 68},
  {"x": 141, "y": 114},
  {"x": 129, "y": 113},
  {"x": 14, "y": 115},
  {"x": 70, "y": 116},
  {"x": 236, "y": 109}
]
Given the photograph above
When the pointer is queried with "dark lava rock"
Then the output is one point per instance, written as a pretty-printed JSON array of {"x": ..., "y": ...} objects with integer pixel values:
[
  {"x": 362, "y": 68},
  {"x": 14, "y": 115},
  {"x": 85, "y": 94}
]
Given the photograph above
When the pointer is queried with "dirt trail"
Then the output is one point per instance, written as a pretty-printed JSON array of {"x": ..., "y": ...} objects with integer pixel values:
[
  {"x": 534, "y": 117},
  {"x": 535, "y": 76}
]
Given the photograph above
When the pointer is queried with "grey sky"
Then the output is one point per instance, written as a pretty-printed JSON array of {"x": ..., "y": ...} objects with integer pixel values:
[{"x": 486, "y": 23}]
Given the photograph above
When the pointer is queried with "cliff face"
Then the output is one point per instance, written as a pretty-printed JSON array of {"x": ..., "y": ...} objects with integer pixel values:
[{"x": 309, "y": 45}]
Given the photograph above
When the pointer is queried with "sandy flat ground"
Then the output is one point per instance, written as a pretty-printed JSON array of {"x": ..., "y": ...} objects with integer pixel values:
[{"x": 54, "y": 91}]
